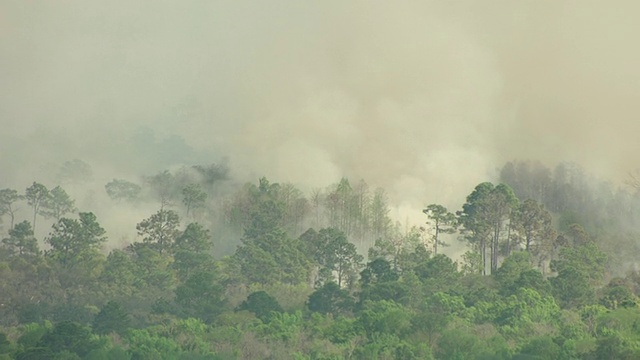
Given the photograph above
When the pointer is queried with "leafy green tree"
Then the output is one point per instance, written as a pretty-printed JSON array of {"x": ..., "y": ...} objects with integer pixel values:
[
  {"x": 111, "y": 318},
  {"x": 192, "y": 251},
  {"x": 533, "y": 279},
  {"x": 193, "y": 197},
  {"x": 119, "y": 271},
  {"x": 119, "y": 190},
  {"x": 152, "y": 268},
  {"x": 540, "y": 348},
  {"x": 201, "y": 296},
  {"x": 618, "y": 294},
  {"x": 484, "y": 217},
  {"x": 261, "y": 304},
  {"x": 8, "y": 198},
  {"x": 160, "y": 230},
  {"x": 36, "y": 195},
  {"x": 69, "y": 336},
  {"x": 439, "y": 273},
  {"x": 384, "y": 317},
  {"x": 579, "y": 268},
  {"x": 436, "y": 313},
  {"x": 443, "y": 222},
  {"x": 520, "y": 315},
  {"x": 334, "y": 253},
  {"x": 459, "y": 344},
  {"x": 21, "y": 240},
  {"x": 330, "y": 299},
  {"x": 377, "y": 271},
  {"x": 532, "y": 226},
  {"x": 617, "y": 345},
  {"x": 194, "y": 238},
  {"x": 267, "y": 253},
  {"x": 76, "y": 241},
  {"x": 511, "y": 269},
  {"x": 57, "y": 204},
  {"x": 187, "y": 263},
  {"x": 144, "y": 345}
]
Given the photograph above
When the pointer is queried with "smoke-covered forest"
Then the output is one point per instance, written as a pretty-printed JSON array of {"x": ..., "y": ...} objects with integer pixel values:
[
  {"x": 261, "y": 270},
  {"x": 287, "y": 179}
]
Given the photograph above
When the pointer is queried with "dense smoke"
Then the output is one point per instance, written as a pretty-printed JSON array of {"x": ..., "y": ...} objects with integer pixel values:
[{"x": 423, "y": 98}]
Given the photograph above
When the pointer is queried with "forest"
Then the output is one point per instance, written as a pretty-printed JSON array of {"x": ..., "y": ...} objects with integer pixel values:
[{"x": 263, "y": 270}]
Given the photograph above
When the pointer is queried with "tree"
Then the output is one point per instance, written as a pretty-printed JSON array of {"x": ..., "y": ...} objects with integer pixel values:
[
  {"x": 75, "y": 241},
  {"x": 384, "y": 317},
  {"x": 193, "y": 197},
  {"x": 511, "y": 270},
  {"x": 69, "y": 336},
  {"x": 531, "y": 225},
  {"x": 484, "y": 215},
  {"x": 330, "y": 299},
  {"x": 163, "y": 186},
  {"x": 401, "y": 248},
  {"x": 261, "y": 304},
  {"x": 267, "y": 253},
  {"x": 333, "y": 253},
  {"x": 438, "y": 273},
  {"x": 443, "y": 222},
  {"x": 36, "y": 196},
  {"x": 21, "y": 240},
  {"x": 160, "y": 230},
  {"x": 7, "y": 199},
  {"x": 201, "y": 296},
  {"x": 379, "y": 214},
  {"x": 119, "y": 189},
  {"x": 111, "y": 318},
  {"x": 57, "y": 204},
  {"x": 194, "y": 238},
  {"x": 580, "y": 269},
  {"x": 376, "y": 271}
]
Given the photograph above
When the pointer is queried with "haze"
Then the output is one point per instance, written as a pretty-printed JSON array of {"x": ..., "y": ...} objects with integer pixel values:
[{"x": 423, "y": 98}]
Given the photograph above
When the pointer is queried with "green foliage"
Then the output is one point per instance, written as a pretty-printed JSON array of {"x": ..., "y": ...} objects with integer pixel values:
[
  {"x": 443, "y": 222},
  {"x": 57, "y": 204},
  {"x": 294, "y": 297},
  {"x": 69, "y": 336},
  {"x": 283, "y": 326},
  {"x": 201, "y": 296},
  {"x": 439, "y": 273},
  {"x": 540, "y": 348},
  {"x": 579, "y": 268},
  {"x": 330, "y": 299},
  {"x": 111, "y": 318},
  {"x": 193, "y": 197},
  {"x": 8, "y": 197},
  {"x": 511, "y": 270},
  {"x": 160, "y": 230},
  {"x": 384, "y": 317},
  {"x": 74, "y": 242},
  {"x": 194, "y": 238},
  {"x": 21, "y": 240},
  {"x": 484, "y": 216},
  {"x": 261, "y": 304},
  {"x": 36, "y": 196}
]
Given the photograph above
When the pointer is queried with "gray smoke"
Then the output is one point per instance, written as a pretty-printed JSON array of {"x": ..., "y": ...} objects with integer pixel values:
[{"x": 423, "y": 98}]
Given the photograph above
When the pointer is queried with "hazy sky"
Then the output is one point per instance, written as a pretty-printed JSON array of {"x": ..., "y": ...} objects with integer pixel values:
[{"x": 423, "y": 98}]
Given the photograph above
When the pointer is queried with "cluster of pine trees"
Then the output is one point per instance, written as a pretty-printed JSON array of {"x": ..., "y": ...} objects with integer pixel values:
[{"x": 261, "y": 271}]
